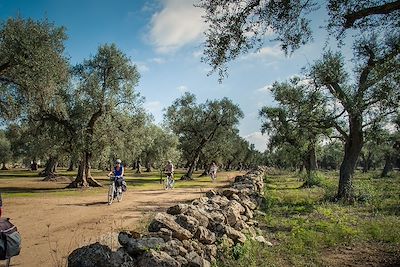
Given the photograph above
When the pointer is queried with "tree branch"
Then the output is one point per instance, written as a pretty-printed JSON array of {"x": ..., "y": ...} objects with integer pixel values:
[{"x": 387, "y": 8}]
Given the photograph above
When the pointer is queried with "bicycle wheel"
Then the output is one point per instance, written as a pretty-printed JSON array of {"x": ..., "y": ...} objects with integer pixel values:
[
  {"x": 171, "y": 182},
  {"x": 119, "y": 193},
  {"x": 111, "y": 193},
  {"x": 165, "y": 183}
]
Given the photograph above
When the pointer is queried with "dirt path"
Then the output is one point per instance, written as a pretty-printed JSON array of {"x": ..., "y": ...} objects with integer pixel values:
[{"x": 52, "y": 227}]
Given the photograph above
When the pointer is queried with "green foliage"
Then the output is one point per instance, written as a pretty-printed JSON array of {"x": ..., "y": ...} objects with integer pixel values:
[
  {"x": 5, "y": 148},
  {"x": 305, "y": 227},
  {"x": 237, "y": 27},
  {"x": 313, "y": 178},
  {"x": 197, "y": 125},
  {"x": 31, "y": 64}
]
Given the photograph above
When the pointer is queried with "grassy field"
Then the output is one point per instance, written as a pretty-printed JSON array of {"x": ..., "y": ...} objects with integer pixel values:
[
  {"x": 25, "y": 183},
  {"x": 308, "y": 229}
]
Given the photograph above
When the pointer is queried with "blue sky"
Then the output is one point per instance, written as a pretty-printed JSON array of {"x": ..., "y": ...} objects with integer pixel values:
[{"x": 163, "y": 37}]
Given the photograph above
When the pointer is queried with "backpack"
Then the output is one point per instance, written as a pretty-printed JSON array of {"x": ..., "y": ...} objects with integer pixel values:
[{"x": 10, "y": 239}]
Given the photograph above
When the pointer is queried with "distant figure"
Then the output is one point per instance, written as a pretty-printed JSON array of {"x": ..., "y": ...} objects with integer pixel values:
[
  {"x": 213, "y": 171},
  {"x": 169, "y": 168},
  {"x": 138, "y": 166}
]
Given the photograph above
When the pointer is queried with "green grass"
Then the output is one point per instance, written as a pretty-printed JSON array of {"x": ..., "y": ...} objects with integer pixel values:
[
  {"x": 303, "y": 222},
  {"x": 24, "y": 183}
]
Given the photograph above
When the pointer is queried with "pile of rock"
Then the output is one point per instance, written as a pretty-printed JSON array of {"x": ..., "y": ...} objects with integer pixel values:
[{"x": 187, "y": 234}]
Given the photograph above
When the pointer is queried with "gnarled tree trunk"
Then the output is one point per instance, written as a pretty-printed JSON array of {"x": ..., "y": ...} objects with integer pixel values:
[
  {"x": 353, "y": 145},
  {"x": 71, "y": 165},
  {"x": 49, "y": 171},
  {"x": 310, "y": 163},
  {"x": 84, "y": 177},
  {"x": 34, "y": 165},
  {"x": 4, "y": 168}
]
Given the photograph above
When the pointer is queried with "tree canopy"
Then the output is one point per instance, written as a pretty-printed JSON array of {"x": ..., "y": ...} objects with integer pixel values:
[
  {"x": 237, "y": 27},
  {"x": 198, "y": 124}
]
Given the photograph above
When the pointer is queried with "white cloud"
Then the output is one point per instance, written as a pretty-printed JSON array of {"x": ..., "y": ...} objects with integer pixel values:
[
  {"x": 258, "y": 139},
  {"x": 141, "y": 67},
  {"x": 182, "y": 88},
  {"x": 198, "y": 53},
  {"x": 158, "y": 60},
  {"x": 265, "y": 89},
  {"x": 153, "y": 106},
  {"x": 266, "y": 52},
  {"x": 177, "y": 24}
]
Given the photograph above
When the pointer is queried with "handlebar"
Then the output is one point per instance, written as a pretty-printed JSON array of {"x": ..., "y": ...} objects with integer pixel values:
[{"x": 112, "y": 177}]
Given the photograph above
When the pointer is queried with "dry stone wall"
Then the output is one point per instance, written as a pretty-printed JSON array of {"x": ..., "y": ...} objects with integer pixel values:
[{"x": 188, "y": 235}]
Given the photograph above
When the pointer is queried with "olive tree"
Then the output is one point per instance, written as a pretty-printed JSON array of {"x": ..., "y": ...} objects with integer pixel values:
[
  {"x": 104, "y": 83},
  {"x": 32, "y": 64},
  {"x": 198, "y": 124}
]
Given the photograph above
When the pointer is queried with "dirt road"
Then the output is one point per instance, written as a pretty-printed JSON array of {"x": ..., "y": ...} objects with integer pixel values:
[{"x": 52, "y": 227}]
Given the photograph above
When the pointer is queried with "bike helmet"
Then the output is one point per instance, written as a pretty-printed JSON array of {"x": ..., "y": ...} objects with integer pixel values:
[{"x": 118, "y": 161}]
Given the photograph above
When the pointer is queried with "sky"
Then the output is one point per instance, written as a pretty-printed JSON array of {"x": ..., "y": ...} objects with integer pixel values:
[{"x": 164, "y": 39}]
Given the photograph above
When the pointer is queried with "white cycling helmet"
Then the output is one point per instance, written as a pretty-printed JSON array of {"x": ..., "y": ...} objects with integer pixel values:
[{"x": 118, "y": 161}]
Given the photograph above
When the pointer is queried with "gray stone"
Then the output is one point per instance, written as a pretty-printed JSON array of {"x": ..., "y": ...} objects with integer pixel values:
[
  {"x": 262, "y": 240},
  {"x": 248, "y": 213},
  {"x": 197, "y": 247},
  {"x": 135, "y": 247},
  {"x": 205, "y": 236},
  {"x": 222, "y": 201},
  {"x": 157, "y": 259},
  {"x": 97, "y": 255},
  {"x": 229, "y": 192},
  {"x": 211, "y": 193},
  {"x": 201, "y": 218},
  {"x": 194, "y": 260},
  {"x": 187, "y": 244},
  {"x": 188, "y": 222},
  {"x": 235, "y": 235},
  {"x": 162, "y": 220},
  {"x": 182, "y": 260},
  {"x": 175, "y": 248},
  {"x": 177, "y": 209},
  {"x": 211, "y": 250},
  {"x": 233, "y": 212}
]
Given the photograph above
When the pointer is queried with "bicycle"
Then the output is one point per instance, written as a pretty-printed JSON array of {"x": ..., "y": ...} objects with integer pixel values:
[
  {"x": 213, "y": 175},
  {"x": 169, "y": 181},
  {"x": 115, "y": 189}
]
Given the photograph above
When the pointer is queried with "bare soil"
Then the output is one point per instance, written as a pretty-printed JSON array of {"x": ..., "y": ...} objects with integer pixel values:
[
  {"x": 53, "y": 226},
  {"x": 367, "y": 254}
]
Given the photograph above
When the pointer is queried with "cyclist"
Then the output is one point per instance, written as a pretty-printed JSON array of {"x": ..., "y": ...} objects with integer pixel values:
[
  {"x": 119, "y": 172},
  {"x": 169, "y": 171}
]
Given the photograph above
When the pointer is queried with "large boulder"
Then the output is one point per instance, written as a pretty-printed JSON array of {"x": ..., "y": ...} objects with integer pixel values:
[
  {"x": 162, "y": 220},
  {"x": 233, "y": 212},
  {"x": 97, "y": 255},
  {"x": 175, "y": 248},
  {"x": 154, "y": 258},
  {"x": 222, "y": 201},
  {"x": 195, "y": 260},
  {"x": 193, "y": 211},
  {"x": 235, "y": 235},
  {"x": 188, "y": 222},
  {"x": 205, "y": 236},
  {"x": 136, "y": 247},
  {"x": 177, "y": 209}
]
